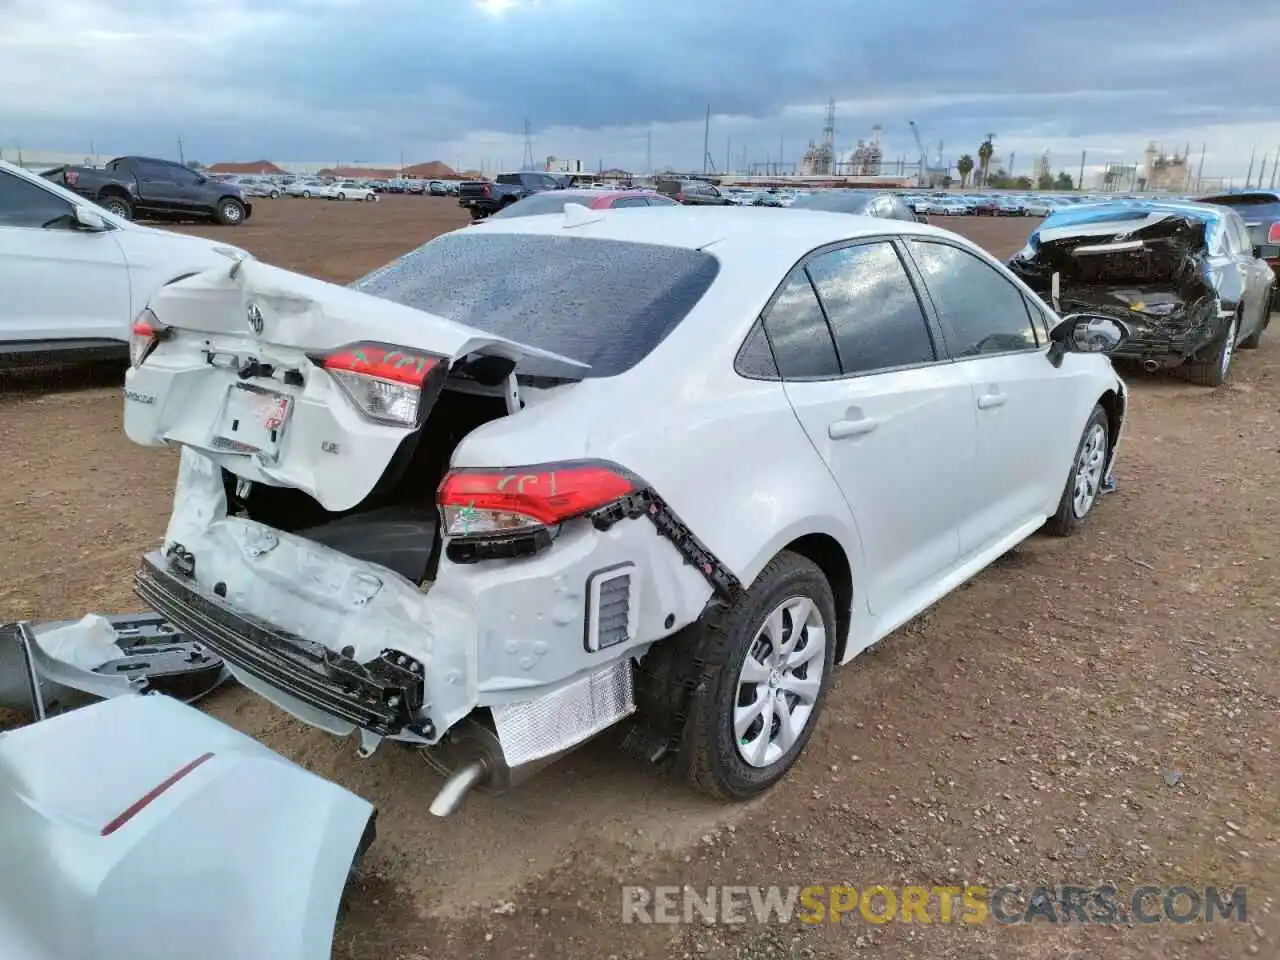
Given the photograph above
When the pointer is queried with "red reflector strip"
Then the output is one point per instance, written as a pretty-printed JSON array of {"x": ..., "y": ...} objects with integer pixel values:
[
  {"x": 138, "y": 805},
  {"x": 383, "y": 362}
]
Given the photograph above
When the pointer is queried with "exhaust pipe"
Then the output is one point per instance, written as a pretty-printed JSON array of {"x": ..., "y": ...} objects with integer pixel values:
[
  {"x": 1150, "y": 366},
  {"x": 458, "y": 785}
]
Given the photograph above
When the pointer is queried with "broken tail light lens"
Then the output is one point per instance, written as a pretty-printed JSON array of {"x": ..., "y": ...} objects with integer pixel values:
[
  {"x": 1273, "y": 234},
  {"x": 490, "y": 514},
  {"x": 386, "y": 383},
  {"x": 146, "y": 333}
]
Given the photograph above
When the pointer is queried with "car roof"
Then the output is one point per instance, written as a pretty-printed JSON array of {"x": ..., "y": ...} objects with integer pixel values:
[{"x": 782, "y": 234}]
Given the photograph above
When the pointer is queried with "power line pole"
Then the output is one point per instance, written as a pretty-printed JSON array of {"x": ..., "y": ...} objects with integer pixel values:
[
  {"x": 1080, "y": 181},
  {"x": 706, "y": 140},
  {"x": 181, "y": 157},
  {"x": 648, "y": 150},
  {"x": 527, "y": 162},
  {"x": 1248, "y": 177},
  {"x": 1275, "y": 168},
  {"x": 1200, "y": 169}
]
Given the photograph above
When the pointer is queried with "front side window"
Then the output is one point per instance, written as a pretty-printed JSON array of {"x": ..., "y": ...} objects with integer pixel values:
[
  {"x": 875, "y": 316},
  {"x": 982, "y": 311},
  {"x": 23, "y": 204}
]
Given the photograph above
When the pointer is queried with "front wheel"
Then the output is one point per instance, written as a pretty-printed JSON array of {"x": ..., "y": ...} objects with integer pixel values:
[
  {"x": 275, "y": 194},
  {"x": 1211, "y": 367},
  {"x": 1252, "y": 340},
  {"x": 1084, "y": 482},
  {"x": 768, "y": 666},
  {"x": 306, "y": 194},
  {"x": 230, "y": 213}
]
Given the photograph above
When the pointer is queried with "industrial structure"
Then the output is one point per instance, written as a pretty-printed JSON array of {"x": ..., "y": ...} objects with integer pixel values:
[{"x": 1161, "y": 171}]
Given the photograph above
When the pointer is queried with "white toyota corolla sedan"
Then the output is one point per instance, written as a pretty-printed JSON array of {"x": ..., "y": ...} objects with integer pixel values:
[{"x": 528, "y": 481}]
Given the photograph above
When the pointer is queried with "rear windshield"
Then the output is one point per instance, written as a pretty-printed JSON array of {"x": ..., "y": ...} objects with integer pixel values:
[
  {"x": 531, "y": 206},
  {"x": 834, "y": 202},
  {"x": 606, "y": 303},
  {"x": 1249, "y": 204}
]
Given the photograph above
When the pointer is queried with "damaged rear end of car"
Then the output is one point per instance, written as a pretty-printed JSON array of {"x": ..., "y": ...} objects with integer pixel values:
[
  {"x": 324, "y": 543},
  {"x": 1151, "y": 266}
]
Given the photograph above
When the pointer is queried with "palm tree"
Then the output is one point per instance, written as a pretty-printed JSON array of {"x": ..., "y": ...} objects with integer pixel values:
[
  {"x": 964, "y": 167},
  {"x": 985, "y": 152}
]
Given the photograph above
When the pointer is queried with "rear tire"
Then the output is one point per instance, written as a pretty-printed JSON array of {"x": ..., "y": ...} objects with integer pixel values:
[
  {"x": 115, "y": 203},
  {"x": 1211, "y": 368},
  {"x": 735, "y": 743},
  {"x": 229, "y": 212},
  {"x": 1084, "y": 481}
]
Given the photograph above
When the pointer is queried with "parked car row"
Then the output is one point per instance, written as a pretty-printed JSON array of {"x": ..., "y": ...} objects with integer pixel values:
[{"x": 261, "y": 185}]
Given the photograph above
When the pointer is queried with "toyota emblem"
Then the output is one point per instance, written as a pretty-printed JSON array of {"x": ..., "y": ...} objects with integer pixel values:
[{"x": 255, "y": 318}]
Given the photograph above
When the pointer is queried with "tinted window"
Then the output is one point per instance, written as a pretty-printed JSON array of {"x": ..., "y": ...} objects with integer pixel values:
[
  {"x": 602, "y": 302},
  {"x": 983, "y": 311},
  {"x": 755, "y": 359},
  {"x": 1238, "y": 234},
  {"x": 537, "y": 203},
  {"x": 23, "y": 204},
  {"x": 875, "y": 315},
  {"x": 657, "y": 201},
  {"x": 798, "y": 332},
  {"x": 1249, "y": 204},
  {"x": 630, "y": 202}
]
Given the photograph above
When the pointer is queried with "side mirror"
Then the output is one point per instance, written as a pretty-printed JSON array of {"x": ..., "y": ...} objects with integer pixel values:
[
  {"x": 1085, "y": 333},
  {"x": 88, "y": 220}
]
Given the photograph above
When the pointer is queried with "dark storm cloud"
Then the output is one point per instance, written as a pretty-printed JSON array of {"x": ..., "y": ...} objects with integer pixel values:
[{"x": 348, "y": 78}]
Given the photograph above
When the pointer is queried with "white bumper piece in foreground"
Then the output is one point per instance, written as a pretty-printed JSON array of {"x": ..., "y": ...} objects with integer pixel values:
[{"x": 147, "y": 830}]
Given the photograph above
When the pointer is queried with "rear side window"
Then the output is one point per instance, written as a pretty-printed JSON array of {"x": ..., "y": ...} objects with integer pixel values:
[
  {"x": 508, "y": 178},
  {"x": 875, "y": 315},
  {"x": 799, "y": 334},
  {"x": 606, "y": 303},
  {"x": 982, "y": 311}
]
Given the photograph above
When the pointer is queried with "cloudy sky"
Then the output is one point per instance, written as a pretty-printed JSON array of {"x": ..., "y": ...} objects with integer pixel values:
[{"x": 614, "y": 82}]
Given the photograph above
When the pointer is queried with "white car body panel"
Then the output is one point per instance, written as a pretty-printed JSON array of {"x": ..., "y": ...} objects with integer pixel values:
[
  {"x": 244, "y": 856},
  {"x": 498, "y": 631},
  {"x": 347, "y": 191},
  {"x": 75, "y": 285}
]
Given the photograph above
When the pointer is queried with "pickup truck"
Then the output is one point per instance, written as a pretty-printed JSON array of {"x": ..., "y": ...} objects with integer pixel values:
[
  {"x": 132, "y": 187},
  {"x": 482, "y": 197}
]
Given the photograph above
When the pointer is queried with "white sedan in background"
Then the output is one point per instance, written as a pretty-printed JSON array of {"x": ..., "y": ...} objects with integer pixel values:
[
  {"x": 74, "y": 277},
  {"x": 347, "y": 190},
  {"x": 570, "y": 538}
]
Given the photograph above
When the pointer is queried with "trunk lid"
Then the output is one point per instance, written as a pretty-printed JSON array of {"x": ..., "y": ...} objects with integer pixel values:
[{"x": 240, "y": 377}]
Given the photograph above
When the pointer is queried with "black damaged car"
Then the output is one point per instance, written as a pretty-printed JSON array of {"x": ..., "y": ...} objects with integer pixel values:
[{"x": 1181, "y": 277}]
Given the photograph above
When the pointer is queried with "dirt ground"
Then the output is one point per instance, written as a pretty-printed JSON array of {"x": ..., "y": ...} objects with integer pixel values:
[{"x": 1104, "y": 708}]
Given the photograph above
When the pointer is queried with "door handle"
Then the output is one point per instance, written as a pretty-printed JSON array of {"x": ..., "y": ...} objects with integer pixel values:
[
  {"x": 989, "y": 401},
  {"x": 842, "y": 429}
]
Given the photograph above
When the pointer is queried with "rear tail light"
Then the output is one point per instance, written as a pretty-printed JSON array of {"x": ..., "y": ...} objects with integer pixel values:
[
  {"x": 487, "y": 190},
  {"x": 1273, "y": 235},
  {"x": 147, "y": 331},
  {"x": 387, "y": 384},
  {"x": 131, "y": 811},
  {"x": 489, "y": 514},
  {"x": 680, "y": 197}
]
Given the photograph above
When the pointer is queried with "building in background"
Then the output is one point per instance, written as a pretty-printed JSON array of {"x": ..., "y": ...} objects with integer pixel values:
[
  {"x": 560, "y": 165},
  {"x": 1162, "y": 171}
]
